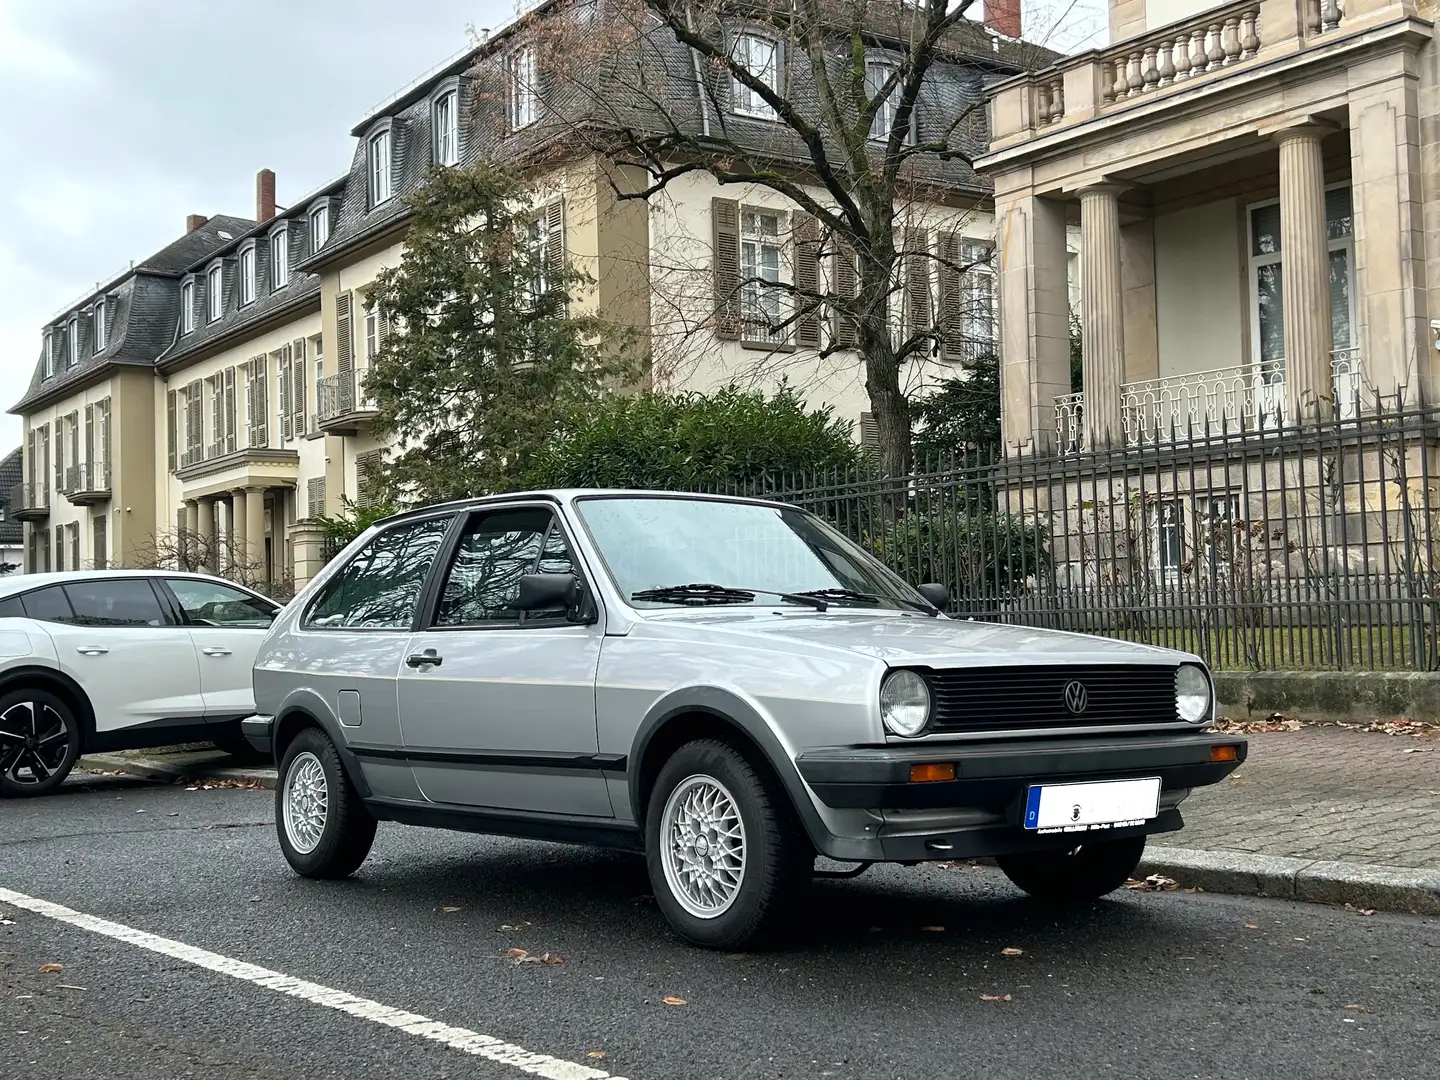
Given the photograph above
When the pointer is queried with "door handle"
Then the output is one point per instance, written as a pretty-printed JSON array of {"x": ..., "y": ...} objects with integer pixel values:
[
  {"x": 91, "y": 650},
  {"x": 421, "y": 659},
  {"x": 215, "y": 650}
]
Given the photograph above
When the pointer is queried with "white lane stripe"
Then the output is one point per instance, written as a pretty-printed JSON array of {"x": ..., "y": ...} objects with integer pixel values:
[{"x": 469, "y": 1042}]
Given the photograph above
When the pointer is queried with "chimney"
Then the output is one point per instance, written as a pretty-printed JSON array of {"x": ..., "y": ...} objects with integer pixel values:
[
  {"x": 194, "y": 221},
  {"x": 1003, "y": 16},
  {"x": 265, "y": 194}
]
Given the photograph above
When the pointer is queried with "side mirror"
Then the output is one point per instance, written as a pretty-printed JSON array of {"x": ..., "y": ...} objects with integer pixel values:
[
  {"x": 548, "y": 592},
  {"x": 938, "y": 595}
]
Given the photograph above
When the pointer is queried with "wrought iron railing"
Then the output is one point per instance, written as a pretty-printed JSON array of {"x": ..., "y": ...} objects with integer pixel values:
[
  {"x": 87, "y": 476},
  {"x": 31, "y": 496},
  {"x": 341, "y": 395}
]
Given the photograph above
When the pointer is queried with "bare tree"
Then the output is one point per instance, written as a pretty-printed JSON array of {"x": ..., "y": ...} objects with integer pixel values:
[
  {"x": 864, "y": 115},
  {"x": 191, "y": 552}
]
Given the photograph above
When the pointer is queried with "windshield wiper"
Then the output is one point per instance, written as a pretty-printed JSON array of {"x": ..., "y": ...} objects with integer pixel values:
[
  {"x": 699, "y": 594},
  {"x": 863, "y": 598}
]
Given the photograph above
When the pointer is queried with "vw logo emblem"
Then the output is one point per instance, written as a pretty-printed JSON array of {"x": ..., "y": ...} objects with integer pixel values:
[
  {"x": 1075, "y": 812},
  {"x": 1076, "y": 696}
]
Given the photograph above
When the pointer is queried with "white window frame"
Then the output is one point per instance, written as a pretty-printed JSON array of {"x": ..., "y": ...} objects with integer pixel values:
[
  {"x": 1175, "y": 528},
  {"x": 379, "y": 156},
  {"x": 522, "y": 107},
  {"x": 215, "y": 292},
  {"x": 372, "y": 331},
  {"x": 279, "y": 259},
  {"x": 72, "y": 341},
  {"x": 319, "y": 227},
  {"x": 744, "y": 100},
  {"x": 884, "y": 118},
  {"x": 48, "y": 370},
  {"x": 97, "y": 324},
  {"x": 187, "y": 306},
  {"x": 317, "y": 349},
  {"x": 761, "y": 307},
  {"x": 445, "y": 120},
  {"x": 977, "y": 280},
  {"x": 249, "y": 263}
]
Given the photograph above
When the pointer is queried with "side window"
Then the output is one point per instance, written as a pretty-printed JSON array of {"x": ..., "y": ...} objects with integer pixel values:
[
  {"x": 12, "y": 608},
  {"x": 115, "y": 602},
  {"x": 380, "y": 586},
  {"x": 48, "y": 605},
  {"x": 496, "y": 550},
  {"x": 206, "y": 603}
]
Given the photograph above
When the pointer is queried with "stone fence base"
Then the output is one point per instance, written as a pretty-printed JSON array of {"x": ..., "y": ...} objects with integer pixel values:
[{"x": 1329, "y": 695}]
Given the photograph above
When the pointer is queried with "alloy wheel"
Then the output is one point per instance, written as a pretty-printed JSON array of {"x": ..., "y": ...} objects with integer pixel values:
[
  {"x": 703, "y": 846},
  {"x": 307, "y": 803},
  {"x": 34, "y": 742}
]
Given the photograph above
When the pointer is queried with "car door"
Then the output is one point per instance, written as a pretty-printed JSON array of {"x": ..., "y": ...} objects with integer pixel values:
[
  {"x": 226, "y": 625},
  {"x": 498, "y": 706},
  {"x": 115, "y": 637}
]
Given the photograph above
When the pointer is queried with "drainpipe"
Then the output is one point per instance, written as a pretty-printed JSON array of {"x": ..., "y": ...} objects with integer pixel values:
[{"x": 699, "y": 80}]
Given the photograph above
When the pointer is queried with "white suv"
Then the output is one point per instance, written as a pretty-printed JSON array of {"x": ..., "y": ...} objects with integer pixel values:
[{"x": 118, "y": 660}]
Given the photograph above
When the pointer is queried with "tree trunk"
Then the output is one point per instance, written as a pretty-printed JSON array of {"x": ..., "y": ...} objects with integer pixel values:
[{"x": 877, "y": 348}]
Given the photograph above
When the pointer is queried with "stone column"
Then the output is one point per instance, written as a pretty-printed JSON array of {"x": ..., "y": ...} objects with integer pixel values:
[
  {"x": 1102, "y": 315},
  {"x": 255, "y": 533},
  {"x": 206, "y": 534},
  {"x": 309, "y": 545},
  {"x": 238, "y": 540},
  {"x": 1305, "y": 270},
  {"x": 189, "y": 542}
]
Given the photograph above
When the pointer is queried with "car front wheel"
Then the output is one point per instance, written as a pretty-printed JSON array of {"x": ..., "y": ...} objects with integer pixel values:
[
  {"x": 727, "y": 856},
  {"x": 39, "y": 742},
  {"x": 1082, "y": 873},
  {"x": 325, "y": 830}
]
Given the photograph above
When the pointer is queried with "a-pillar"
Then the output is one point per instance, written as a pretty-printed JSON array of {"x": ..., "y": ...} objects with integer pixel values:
[
  {"x": 1305, "y": 282},
  {"x": 1102, "y": 315}
]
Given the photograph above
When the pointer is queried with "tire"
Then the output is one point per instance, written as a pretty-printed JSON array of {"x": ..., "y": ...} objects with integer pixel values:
[
  {"x": 753, "y": 887},
  {"x": 336, "y": 844},
  {"x": 39, "y": 742},
  {"x": 1083, "y": 873}
]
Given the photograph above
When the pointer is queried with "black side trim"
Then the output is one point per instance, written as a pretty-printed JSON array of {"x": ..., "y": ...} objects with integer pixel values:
[
  {"x": 258, "y": 732},
  {"x": 1009, "y": 840},
  {"x": 165, "y": 732},
  {"x": 554, "y": 827},
  {"x": 498, "y": 759}
]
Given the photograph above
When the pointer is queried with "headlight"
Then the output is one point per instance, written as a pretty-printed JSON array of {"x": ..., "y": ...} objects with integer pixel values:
[
  {"x": 1192, "y": 694},
  {"x": 905, "y": 703}
]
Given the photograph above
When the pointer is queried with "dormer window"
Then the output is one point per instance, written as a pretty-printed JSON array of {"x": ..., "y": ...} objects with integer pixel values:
[
  {"x": 380, "y": 167},
  {"x": 521, "y": 104},
  {"x": 187, "y": 306},
  {"x": 215, "y": 292},
  {"x": 319, "y": 227},
  {"x": 877, "y": 72},
  {"x": 760, "y": 57},
  {"x": 446, "y": 117},
  {"x": 247, "y": 275},
  {"x": 72, "y": 341},
  {"x": 47, "y": 358},
  {"x": 279, "y": 259},
  {"x": 97, "y": 322}
]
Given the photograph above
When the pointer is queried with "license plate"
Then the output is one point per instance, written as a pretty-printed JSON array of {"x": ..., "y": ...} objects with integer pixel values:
[{"x": 1104, "y": 804}]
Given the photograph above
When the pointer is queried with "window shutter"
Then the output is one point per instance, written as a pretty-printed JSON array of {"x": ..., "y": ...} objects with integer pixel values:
[
  {"x": 59, "y": 542},
  {"x": 172, "y": 433},
  {"x": 952, "y": 315},
  {"x": 90, "y": 446},
  {"x": 554, "y": 237},
  {"x": 345, "y": 333},
  {"x": 230, "y": 445},
  {"x": 285, "y": 414},
  {"x": 846, "y": 288},
  {"x": 917, "y": 279},
  {"x": 807, "y": 281},
  {"x": 725, "y": 267},
  {"x": 258, "y": 402},
  {"x": 194, "y": 423},
  {"x": 105, "y": 439},
  {"x": 367, "y": 469},
  {"x": 59, "y": 456},
  {"x": 315, "y": 498},
  {"x": 297, "y": 386},
  {"x": 75, "y": 437},
  {"x": 250, "y": 402},
  {"x": 869, "y": 432}
]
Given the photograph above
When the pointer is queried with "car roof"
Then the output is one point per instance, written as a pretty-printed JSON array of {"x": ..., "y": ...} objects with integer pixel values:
[
  {"x": 566, "y": 495},
  {"x": 13, "y": 584}
]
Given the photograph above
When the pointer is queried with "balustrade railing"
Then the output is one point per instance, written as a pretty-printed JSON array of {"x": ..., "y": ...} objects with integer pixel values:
[
  {"x": 87, "y": 476},
  {"x": 1070, "y": 423},
  {"x": 1183, "y": 51},
  {"x": 341, "y": 395}
]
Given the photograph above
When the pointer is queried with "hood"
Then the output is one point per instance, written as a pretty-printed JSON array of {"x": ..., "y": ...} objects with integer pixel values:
[{"x": 900, "y": 639}]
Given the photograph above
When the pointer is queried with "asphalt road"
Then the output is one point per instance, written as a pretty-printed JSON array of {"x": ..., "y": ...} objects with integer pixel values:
[{"x": 888, "y": 978}]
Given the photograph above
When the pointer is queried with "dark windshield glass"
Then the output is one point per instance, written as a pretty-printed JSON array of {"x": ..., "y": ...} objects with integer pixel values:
[{"x": 649, "y": 541}]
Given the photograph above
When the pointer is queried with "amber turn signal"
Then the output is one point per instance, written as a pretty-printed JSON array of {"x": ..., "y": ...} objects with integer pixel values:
[
  {"x": 919, "y": 774},
  {"x": 1223, "y": 753}
]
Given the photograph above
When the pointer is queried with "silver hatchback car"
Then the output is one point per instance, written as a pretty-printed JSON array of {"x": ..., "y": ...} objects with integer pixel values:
[{"x": 729, "y": 686}]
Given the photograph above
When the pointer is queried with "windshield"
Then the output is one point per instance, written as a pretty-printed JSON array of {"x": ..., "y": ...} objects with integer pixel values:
[{"x": 650, "y": 542}]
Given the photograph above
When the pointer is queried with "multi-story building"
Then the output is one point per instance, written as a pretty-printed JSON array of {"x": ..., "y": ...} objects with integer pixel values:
[
  {"x": 12, "y": 530},
  {"x": 238, "y": 415}
]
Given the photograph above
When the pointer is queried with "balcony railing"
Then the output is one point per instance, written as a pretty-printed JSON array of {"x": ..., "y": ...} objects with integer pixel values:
[
  {"x": 88, "y": 482},
  {"x": 1234, "y": 399},
  {"x": 29, "y": 502},
  {"x": 342, "y": 405}
]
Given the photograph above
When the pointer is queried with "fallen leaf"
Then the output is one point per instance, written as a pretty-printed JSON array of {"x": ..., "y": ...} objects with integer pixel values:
[
  {"x": 50, "y": 969},
  {"x": 1251, "y": 926},
  {"x": 516, "y": 954},
  {"x": 447, "y": 910},
  {"x": 994, "y": 997},
  {"x": 1153, "y": 883},
  {"x": 595, "y": 1054},
  {"x": 1010, "y": 950},
  {"x": 932, "y": 929},
  {"x": 671, "y": 999}
]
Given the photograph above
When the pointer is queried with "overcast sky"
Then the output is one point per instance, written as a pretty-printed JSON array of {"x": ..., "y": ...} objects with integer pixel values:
[{"x": 124, "y": 116}]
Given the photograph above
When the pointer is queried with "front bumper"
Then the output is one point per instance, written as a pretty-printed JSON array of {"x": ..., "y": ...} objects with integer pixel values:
[
  {"x": 978, "y": 813},
  {"x": 259, "y": 732}
]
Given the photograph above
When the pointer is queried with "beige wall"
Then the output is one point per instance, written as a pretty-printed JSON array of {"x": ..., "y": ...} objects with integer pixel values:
[
  {"x": 1199, "y": 288},
  {"x": 62, "y": 511}
]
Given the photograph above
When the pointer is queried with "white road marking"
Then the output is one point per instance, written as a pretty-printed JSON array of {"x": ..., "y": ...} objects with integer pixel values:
[{"x": 462, "y": 1039}]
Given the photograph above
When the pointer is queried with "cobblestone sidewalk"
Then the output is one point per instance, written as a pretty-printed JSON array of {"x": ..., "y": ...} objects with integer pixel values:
[{"x": 1324, "y": 793}]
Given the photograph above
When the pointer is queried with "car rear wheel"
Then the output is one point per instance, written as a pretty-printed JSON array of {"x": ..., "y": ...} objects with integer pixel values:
[
  {"x": 39, "y": 742},
  {"x": 1082, "y": 873},
  {"x": 726, "y": 854},
  {"x": 325, "y": 830}
]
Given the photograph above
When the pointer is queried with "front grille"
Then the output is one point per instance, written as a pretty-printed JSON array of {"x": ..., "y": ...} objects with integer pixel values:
[{"x": 995, "y": 699}]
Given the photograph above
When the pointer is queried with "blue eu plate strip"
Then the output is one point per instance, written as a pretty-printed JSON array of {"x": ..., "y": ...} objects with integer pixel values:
[{"x": 1032, "y": 808}]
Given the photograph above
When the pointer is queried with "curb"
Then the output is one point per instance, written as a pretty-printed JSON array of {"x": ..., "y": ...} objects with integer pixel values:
[
  {"x": 1403, "y": 889},
  {"x": 151, "y": 769}
]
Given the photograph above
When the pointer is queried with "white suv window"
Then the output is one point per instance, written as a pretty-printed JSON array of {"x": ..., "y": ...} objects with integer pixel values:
[
  {"x": 208, "y": 603},
  {"x": 118, "y": 602},
  {"x": 380, "y": 587}
]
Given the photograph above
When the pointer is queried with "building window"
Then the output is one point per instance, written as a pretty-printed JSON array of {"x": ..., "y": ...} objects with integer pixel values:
[
  {"x": 319, "y": 227},
  {"x": 379, "y": 168},
  {"x": 72, "y": 341},
  {"x": 447, "y": 128},
  {"x": 760, "y": 56},
  {"x": 187, "y": 307},
  {"x": 979, "y": 297},
  {"x": 48, "y": 355},
  {"x": 522, "y": 108},
  {"x": 877, "y": 73},
  {"x": 98, "y": 325},
  {"x": 215, "y": 292},
  {"x": 247, "y": 276},
  {"x": 279, "y": 260},
  {"x": 372, "y": 332},
  {"x": 1170, "y": 535},
  {"x": 759, "y": 264},
  {"x": 319, "y": 344},
  {"x": 1221, "y": 528}
]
